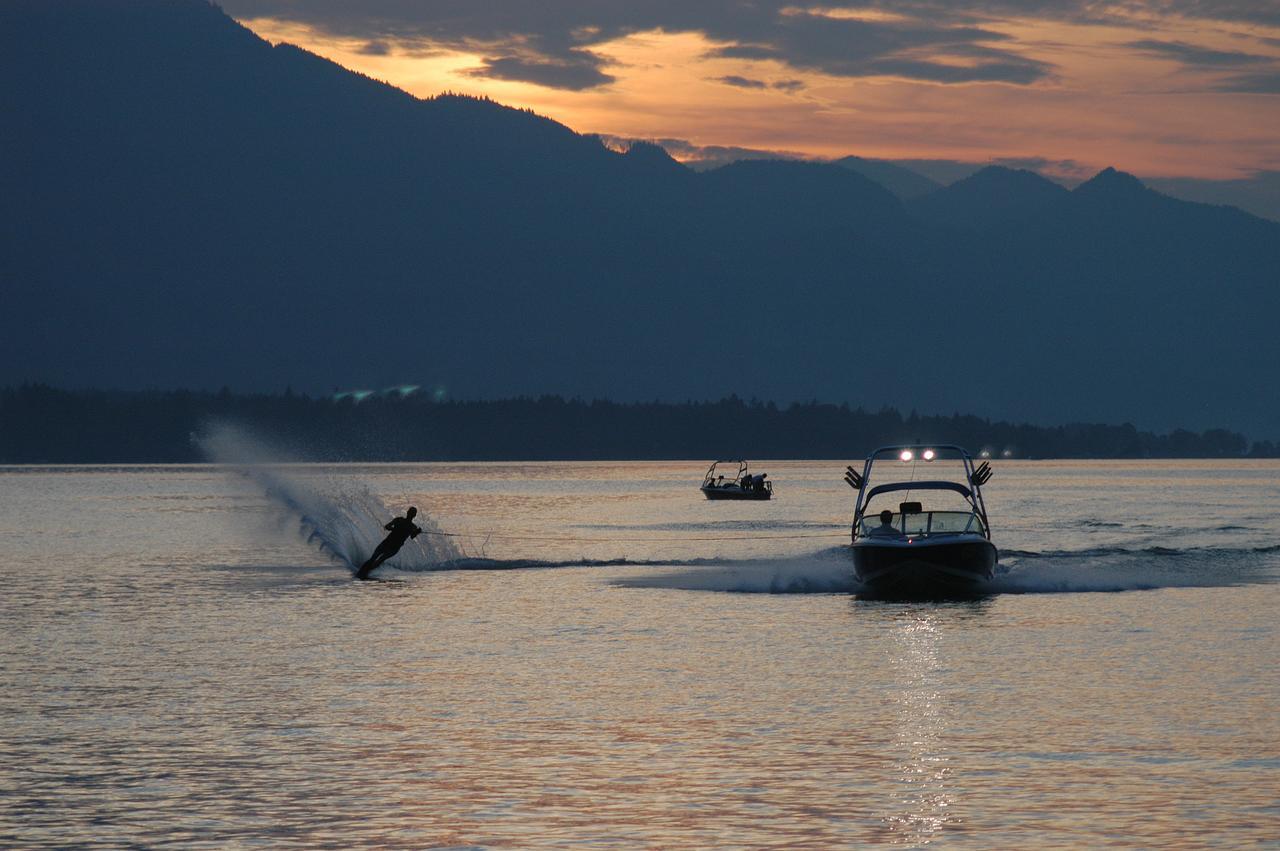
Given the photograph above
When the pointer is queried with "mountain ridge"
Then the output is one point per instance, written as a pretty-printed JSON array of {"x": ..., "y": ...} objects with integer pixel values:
[{"x": 256, "y": 215}]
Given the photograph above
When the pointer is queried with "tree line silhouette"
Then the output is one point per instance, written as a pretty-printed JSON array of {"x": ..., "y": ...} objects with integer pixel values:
[{"x": 40, "y": 424}]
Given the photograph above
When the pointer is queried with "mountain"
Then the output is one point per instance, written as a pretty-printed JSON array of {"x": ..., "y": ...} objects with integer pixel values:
[
  {"x": 184, "y": 204},
  {"x": 1258, "y": 193},
  {"x": 780, "y": 195},
  {"x": 990, "y": 197},
  {"x": 902, "y": 182}
]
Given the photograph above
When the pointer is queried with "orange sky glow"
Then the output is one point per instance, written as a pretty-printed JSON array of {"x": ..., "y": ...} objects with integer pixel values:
[{"x": 1145, "y": 94}]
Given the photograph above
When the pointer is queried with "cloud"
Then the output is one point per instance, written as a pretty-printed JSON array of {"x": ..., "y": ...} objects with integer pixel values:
[
  {"x": 553, "y": 44},
  {"x": 1195, "y": 56},
  {"x": 1018, "y": 72},
  {"x": 1081, "y": 11},
  {"x": 852, "y": 47},
  {"x": 375, "y": 48},
  {"x": 742, "y": 82},
  {"x": 581, "y": 70},
  {"x": 1266, "y": 83}
]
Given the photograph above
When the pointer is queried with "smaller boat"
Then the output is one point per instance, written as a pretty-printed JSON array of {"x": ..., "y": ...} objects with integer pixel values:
[
  {"x": 741, "y": 485},
  {"x": 908, "y": 550}
]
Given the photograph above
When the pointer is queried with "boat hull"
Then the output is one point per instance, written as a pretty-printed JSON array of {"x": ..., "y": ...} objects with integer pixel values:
[
  {"x": 922, "y": 568},
  {"x": 736, "y": 493}
]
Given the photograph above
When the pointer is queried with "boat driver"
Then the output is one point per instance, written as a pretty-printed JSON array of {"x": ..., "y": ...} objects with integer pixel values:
[{"x": 886, "y": 529}]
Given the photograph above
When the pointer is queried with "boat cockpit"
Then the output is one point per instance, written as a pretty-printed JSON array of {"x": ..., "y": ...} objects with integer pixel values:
[{"x": 918, "y": 523}]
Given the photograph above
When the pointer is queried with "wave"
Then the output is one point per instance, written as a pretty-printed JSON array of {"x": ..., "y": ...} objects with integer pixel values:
[
  {"x": 828, "y": 571},
  {"x": 1098, "y": 552},
  {"x": 484, "y": 563},
  {"x": 722, "y": 526},
  {"x": 1107, "y": 569},
  {"x": 1121, "y": 569},
  {"x": 342, "y": 518}
]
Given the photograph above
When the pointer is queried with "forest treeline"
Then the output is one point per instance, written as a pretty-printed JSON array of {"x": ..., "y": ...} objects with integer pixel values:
[{"x": 46, "y": 425}]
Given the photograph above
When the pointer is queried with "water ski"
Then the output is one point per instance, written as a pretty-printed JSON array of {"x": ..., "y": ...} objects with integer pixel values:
[{"x": 369, "y": 567}]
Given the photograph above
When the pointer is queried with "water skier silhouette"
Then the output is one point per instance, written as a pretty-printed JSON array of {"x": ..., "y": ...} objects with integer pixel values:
[{"x": 401, "y": 529}]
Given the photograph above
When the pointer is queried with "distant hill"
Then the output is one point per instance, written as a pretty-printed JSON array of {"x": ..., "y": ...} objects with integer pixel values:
[
  {"x": 902, "y": 182},
  {"x": 1258, "y": 194},
  {"x": 183, "y": 204},
  {"x": 993, "y": 196}
]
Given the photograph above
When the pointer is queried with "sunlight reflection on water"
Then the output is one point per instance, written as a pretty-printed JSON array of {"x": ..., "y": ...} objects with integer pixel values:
[{"x": 922, "y": 722}]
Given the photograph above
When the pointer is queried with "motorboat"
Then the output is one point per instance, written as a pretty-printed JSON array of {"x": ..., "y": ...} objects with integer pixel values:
[
  {"x": 739, "y": 485},
  {"x": 906, "y": 549}
]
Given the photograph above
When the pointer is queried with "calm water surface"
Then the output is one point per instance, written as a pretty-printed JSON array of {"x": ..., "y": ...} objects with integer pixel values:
[{"x": 595, "y": 656}]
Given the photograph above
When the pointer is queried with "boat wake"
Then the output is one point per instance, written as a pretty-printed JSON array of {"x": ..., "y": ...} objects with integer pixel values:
[
  {"x": 828, "y": 571},
  {"x": 342, "y": 518},
  {"x": 482, "y": 563},
  {"x": 1120, "y": 569}
]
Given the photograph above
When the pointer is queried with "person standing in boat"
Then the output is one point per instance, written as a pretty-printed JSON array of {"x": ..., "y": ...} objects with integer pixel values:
[{"x": 401, "y": 529}]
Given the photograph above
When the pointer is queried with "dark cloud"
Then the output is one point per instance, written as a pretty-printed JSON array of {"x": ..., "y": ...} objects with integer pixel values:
[
  {"x": 848, "y": 47},
  {"x": 575, "y": 74},
  {"x": 1266, "y": 83},
  {"x": 1195, "y": 56},
  {"x": 549, "y": 43},
  {"x": 940, "y": 41},
  {"x": 742, "y": 82},
  {"x": 375, "y": 48},
  {"x": 1083, "y": 11},
  {"x": 1023, "y": 72},
  {"x": 750, "y": 83}
]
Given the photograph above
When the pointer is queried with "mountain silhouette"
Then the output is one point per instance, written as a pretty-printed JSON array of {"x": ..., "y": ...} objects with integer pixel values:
[
  {"x": 185, "y": 204},
  {"x": 991, "y": 197},
  {"x": 901, "y": 181}
]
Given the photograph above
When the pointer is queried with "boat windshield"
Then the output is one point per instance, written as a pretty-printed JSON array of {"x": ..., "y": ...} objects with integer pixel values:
[{"x": 924, "y": 524}]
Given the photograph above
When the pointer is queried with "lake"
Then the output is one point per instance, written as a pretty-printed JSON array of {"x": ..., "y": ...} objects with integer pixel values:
[{"x": 590, "y": 654}]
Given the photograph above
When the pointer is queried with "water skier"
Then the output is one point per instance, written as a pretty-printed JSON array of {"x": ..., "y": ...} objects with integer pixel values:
[{"x": 401, "y": 529}]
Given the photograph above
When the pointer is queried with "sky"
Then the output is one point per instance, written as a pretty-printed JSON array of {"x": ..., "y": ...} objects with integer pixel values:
[{"x": 1186, "y": 89}]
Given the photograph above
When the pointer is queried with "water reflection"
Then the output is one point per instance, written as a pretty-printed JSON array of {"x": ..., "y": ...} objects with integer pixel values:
[{"x": 922, "y": 798}]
